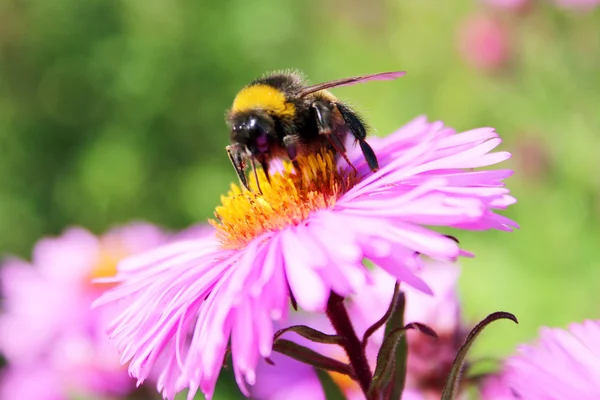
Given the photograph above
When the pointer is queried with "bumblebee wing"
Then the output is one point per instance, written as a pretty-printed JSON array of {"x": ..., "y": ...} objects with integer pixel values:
[{"x": 383, "y": 76}]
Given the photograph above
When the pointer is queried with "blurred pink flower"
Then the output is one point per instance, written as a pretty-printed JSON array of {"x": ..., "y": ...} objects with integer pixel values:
[
  {"x": 55, "y": 345},
  {"x": 310, "y": 240},
  {"x": 563, "y": 364},
  {"x": 31, "y": 382},
  {"x": 484, "y": 42}
]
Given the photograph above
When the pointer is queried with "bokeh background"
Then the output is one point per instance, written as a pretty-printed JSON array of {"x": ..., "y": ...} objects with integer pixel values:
[{"x": 112, "y": 111}]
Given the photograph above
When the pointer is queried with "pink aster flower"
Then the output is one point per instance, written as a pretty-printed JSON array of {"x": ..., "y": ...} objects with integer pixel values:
[
  {"x": 305, "y": 236},
  {"x": 563, "y": 364},
  {"x": 55, "y": 346},
  {"x": 429, "y": 360}
]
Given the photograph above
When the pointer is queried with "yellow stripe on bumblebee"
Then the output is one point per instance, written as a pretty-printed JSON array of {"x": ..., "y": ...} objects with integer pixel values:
[{"x": 263, "y": 97}]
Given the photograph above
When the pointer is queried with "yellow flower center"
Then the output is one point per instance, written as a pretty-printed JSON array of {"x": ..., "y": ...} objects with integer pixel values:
[
  {"x": 287, "y": 200},
  {"x": 110, "y": 253}
]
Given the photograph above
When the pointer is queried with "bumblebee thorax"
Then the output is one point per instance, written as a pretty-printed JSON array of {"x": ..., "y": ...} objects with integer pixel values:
[{"x": 263, "y": 97}]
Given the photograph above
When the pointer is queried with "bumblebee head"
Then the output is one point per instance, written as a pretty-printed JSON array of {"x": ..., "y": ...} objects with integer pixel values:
[{"x": 255, "y": 130}]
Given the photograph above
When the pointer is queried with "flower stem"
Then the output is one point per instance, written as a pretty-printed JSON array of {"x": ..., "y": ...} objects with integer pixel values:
[{"x": 338, "y": 315}]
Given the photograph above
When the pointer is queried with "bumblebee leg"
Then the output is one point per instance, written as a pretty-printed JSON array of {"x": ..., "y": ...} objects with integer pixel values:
[
  {"x": 358, "y": 130},
  {"x": 324, "y": 118},
  {"x": 236, "y": 156}
]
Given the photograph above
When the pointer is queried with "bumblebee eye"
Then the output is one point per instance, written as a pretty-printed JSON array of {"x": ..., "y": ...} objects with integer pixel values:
[{"x": 254, "y": 125}]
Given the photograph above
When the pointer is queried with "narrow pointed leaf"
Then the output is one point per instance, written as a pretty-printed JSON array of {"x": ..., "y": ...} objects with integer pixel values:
[
  {"x": 399, "y": 372},
  {"x": 311, "y": 357},
  {"x": 310, "y": 334},
  {"x": 424, "y": 329},
  {"x": 386, "y": 360},
  {"x": 396, "y": 319},
  {"x": 391, "y": 372},
  {"x": 452, "y": 384},
  {"x": 373, "y": 328}
]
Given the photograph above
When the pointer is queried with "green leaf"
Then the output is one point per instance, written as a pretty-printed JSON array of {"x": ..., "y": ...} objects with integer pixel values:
[
  {"x": 452, "y": 384},
  {"x": 391, "y": 361},
  {"x": 311, "y": 334},
  {"x": 386, "y": 361},
  {"x": 384, "y": 379},
  {"x": 422, "y": 328},
  {"x": 396, "y": 386},
  {"x": 311, "y": 357},
  {"x": 373, "y": 328}
]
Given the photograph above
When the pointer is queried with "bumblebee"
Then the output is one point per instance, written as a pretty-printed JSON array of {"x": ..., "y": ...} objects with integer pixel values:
[{"x": 279, "y": 116}]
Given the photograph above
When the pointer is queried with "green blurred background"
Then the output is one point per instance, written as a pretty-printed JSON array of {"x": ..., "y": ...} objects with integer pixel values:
[{"x": 113, "y": 110}]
